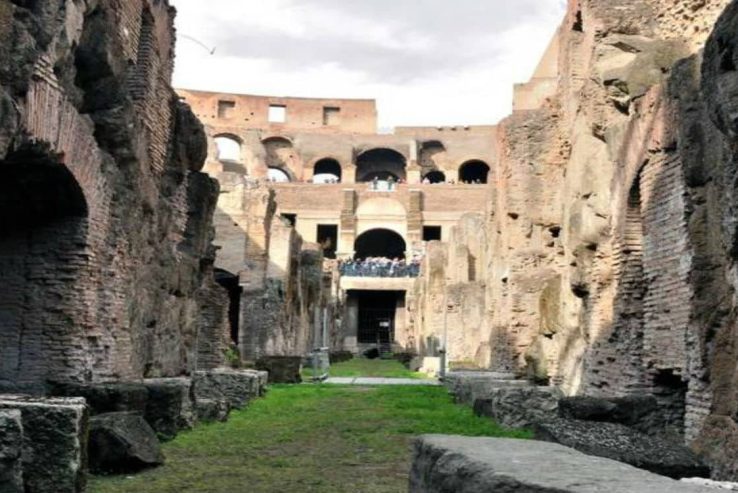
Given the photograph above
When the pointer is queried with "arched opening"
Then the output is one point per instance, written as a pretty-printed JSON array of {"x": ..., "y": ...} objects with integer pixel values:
[
  {"x": 474, "y": 171},
  {"x": 380, "y": 243},
  {"x": 43, "y": 254},
  {"x": 435, "y": 177},
  {"x": 276, "y": 175},
  {"x": 280, "y": 153},
  {"x": 380, "y": 164},
  {"x": 228, "y": 148},
  {"x": 327, "y": 171},
  {"x": 231, "y": 284}
]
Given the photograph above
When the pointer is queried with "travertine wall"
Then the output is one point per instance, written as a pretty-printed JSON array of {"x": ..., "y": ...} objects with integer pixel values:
[
  {"x": 611, "y": 235},
  {"x": 106, "y": 219}
]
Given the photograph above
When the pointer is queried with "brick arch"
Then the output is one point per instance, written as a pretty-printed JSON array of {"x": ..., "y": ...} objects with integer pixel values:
[{"x": 280, "y": 153}]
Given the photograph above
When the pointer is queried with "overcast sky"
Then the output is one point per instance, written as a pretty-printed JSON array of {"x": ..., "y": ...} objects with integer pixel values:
[{"x": 426, "y": 62}]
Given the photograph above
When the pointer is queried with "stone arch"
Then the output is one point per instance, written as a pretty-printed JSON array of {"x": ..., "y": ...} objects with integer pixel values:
[
  {"x": 380, "y": 242},
  {"x": 327, "y": 169},
  {"x": 381, "y": 163},
  {"x": 473, "y": 171},
  {"x": 280, "y": 154},
  {"x": 435, "y": 177},
  {"x": 228, "y": 147},
  {"x": 44, "y": 259},
  {"x": 431, "y": 156}
]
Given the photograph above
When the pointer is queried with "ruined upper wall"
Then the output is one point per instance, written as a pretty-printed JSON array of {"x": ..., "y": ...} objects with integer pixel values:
[{"x": 278, "y": 115}]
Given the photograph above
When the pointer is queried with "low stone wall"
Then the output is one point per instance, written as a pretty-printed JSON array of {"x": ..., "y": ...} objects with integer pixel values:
[{"x": 476, "y": 465}]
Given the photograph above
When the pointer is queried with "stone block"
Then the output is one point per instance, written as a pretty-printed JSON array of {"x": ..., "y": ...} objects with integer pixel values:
[
  {"x": 106, "y": 397},
  {"x": 618, "y": 442},
  {"x": 519, "y": 407},
  {"x": 444, "y": 464},
  {"x": 468, "y": 386},
  {"x": 54, "y": 442},
  {"x": 640, "y": 412},
  {"x": 170, "y": 406},
  {"x": 281, "y": 369},
  {"x": 237, "y": 387},
  {"x": 11, "y": 445},
  {"x": 122, "y": 443},
  {"x": 212, "y": 410}
]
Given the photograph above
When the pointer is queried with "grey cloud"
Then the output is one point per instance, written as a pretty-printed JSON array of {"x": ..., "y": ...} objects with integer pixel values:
[{"x": 454, "y": 27}]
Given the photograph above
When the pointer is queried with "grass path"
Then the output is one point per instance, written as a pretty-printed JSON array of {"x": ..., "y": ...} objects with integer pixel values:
[
  {"x": 308, "y": 438},
  {"x": 363, "y": 367}
]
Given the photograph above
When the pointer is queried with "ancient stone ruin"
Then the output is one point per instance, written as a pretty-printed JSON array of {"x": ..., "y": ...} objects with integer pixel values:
[{"x": 583, "y": 248}]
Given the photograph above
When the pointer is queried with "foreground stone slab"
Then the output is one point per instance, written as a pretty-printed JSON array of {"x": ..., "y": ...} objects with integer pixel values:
[
  {"x": 54, "y": 442},
  {"x": 618, "y": 442},
  {"x": 11, "y": 444},
  {"x": 122, "y": 443},
  {"x": 519, "y": 407},
  {"x": 452, "y": 464}
]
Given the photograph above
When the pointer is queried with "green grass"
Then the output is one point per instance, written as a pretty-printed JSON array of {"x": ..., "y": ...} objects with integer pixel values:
[
  {"x": 363, "y": 367},
  {"x": 308, "y": 438}
]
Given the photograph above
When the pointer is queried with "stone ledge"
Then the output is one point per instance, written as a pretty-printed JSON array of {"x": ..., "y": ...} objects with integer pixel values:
[{"x": 478, "y": 465}]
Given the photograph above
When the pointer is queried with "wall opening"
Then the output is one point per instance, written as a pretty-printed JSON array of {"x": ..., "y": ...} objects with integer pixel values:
[
  {"x": 327, "y": 171},
  {"x": 226, "y": 109},
  {"x": 382, "y": 243},
  {"x": 280, "y": 154},
  {"x": 331, "y": 115},
  {"x": 43, "y": 254},
  {"x": 228, "y": 148},
  {"x": 474, "y": 171},
  {"x": 435, "y": 177},
  {"x": 290, "y": 218},
  {"x": 276, "y": 175},
  {"x": 432, "y": 233},
  {"x": 377, "y": 314},
  {"x": 277, "y": 113},
  {"x": 231, "y": 284},
  {"x": 380, "y": 164},
  {"x": 327, "y": 235}
]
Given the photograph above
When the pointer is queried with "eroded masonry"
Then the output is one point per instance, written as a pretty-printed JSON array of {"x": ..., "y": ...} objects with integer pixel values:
[
  {"x": 588, "y": 242},
  {"x": 585, "y": 242}
]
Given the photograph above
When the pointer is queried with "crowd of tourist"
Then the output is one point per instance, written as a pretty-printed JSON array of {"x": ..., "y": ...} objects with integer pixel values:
[{"x": 380, "y": 267}]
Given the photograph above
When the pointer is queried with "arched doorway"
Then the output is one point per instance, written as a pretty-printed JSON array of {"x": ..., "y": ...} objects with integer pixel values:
[
  {"x": 380, "y": 243},
  {"x": 435, "y": 177},
  {"x": 43, "y": 255},
  {"x": 474, "y": 171},
  {"x": 228, "y": 148},
  {"x": 276, "y": 175},
  {"x": 327, "y": 171},
  {"x": 381, "y": 164},
  {"x": 280, "y": 154}
]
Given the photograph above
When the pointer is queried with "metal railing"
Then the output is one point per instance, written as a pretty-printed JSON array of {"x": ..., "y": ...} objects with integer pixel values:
[{"x": 379, "y": 269}]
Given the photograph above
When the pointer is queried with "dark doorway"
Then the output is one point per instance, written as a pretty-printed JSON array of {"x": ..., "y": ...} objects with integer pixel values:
[
  {"x": 380, "y": 243},
  {"x": 432, "y": 233},
  {"x": 377, "y": 310},
  {"x": 327, "y": 170},
  {"x": 380, "y": 164},
  {"x": 436, "y": 177},
  {"x": 474, "y": 172},
  {"x": 328, "y": 239},
  {"x": 230, "y": 283},
  {"x": 290, "y": 218}
]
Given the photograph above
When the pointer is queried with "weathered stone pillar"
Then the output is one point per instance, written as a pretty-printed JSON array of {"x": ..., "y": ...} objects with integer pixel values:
[
  {"x": 351, "y": 324},
  {"x": 415, "y": 222},
  {"x": 11, "y": 445},
  {"x": 348, "y": 224}
]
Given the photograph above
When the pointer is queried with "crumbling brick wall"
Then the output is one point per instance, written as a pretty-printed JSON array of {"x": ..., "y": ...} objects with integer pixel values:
[{"x": 106, "y": 241}]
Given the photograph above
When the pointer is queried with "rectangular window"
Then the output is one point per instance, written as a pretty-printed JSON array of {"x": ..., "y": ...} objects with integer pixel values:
[
  {"x": 328, "y": 239},
  {"x": 277, "y": 113},
  {"x": 432, "y": 233},
  {"x": 226, "y": 109},
  {"x": 290, "y": 218},
  {"x": 331, "y": 115}
]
